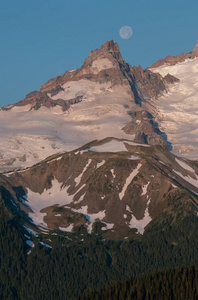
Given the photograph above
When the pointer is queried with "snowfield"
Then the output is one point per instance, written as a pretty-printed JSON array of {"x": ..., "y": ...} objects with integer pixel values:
[
  {"x": 178, "y": 109},
  {"x": 116, "y": 146},
  {"x": 27, "y": 137}
]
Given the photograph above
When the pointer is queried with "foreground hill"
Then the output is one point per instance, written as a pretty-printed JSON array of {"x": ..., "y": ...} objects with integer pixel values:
[{"x": 112, "y": 187}]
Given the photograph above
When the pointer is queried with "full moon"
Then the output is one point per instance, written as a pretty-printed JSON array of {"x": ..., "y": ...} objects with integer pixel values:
[{"x": 125, "y": 32}]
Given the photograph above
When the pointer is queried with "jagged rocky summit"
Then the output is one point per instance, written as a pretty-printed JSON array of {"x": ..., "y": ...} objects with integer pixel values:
[
  {"x": 104, "y": 65},
  {"x": 105, "y": 97}
]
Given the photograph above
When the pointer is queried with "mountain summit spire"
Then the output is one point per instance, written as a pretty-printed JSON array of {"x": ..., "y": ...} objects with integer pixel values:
[{"x": 109, "y": 49}]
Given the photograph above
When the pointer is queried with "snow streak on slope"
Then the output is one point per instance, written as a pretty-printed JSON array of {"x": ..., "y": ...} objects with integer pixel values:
[
  {"x": 191, "y": 178},
  {"x": 78, "y": 179},
  {"x": 128, "y": 181},
  {"x": 144, "y": 189},
  {"x": 184, "y": 165},
  {"x": 178, "y": 109}
]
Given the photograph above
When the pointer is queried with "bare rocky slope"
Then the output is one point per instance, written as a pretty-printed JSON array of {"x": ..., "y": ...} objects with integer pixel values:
[{"x": 113, "y": 187}]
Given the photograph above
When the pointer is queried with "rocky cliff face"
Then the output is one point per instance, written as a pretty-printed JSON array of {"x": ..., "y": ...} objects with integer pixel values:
[
  {"x": 101, "y": 66},
  {"x": 106, "y": 64}
]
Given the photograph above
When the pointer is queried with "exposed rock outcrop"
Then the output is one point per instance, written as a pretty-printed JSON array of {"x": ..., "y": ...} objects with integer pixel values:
[
  {"x": 170, "y": 79},
  {"x": 173, "y": 60},
  {"x": 145, "y": 129},
  {"x": 114, "y": 69}
]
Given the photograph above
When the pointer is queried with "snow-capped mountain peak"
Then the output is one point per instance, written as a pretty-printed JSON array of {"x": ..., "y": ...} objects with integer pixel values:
[{"x": 95, "y": 101}]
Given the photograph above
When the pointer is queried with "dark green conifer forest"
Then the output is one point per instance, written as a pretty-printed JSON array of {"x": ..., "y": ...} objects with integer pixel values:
[
  {"x": 173, "y": 284},
  {"x": 94, "y": 264}
]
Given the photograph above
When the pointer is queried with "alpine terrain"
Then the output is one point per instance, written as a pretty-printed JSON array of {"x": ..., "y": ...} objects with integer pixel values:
[{"x": 99, "y": 168}]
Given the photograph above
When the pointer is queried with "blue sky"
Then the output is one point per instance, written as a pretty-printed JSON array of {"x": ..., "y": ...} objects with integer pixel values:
[{"x": 42, "y": 39}]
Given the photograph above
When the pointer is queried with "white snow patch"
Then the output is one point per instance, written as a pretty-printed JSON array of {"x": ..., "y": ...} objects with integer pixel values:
[
  {"x": 133, "y": 157},
  {"x": 113, "y": 174},
  {"x": 135, "y": 144},
  {"x": 141, "y": 224},
  {"x": 107, "y": 226},
  {"x": 81, "y": 198},
  {"x": 101, "y": 64},
  {"x": 55, "y": 159},
  {"x": 144, "y": 189},
  {"x": 52, "y": 196},
  {"x": 128, "y": 208},
  {"x": 67, "y": 229},
  {"x": 21, "y": 109},
  {"x": 128, "y": 181},
  {"x": 112, "y": 146},
  {"x": 184, "y": 165},
  {"x": 100, "y": 164},
  {"x": 175, "y": 187},
  {"x": 188, "y": 178},
  {"x": 78, "y": 179},
  {"x": 115, "y": 146},
  {"x": 90, "y": 217}
]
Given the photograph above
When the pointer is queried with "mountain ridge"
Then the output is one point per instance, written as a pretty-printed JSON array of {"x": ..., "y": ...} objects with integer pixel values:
[
  {"x": 172, "y": 60},
  {"x": 112, "y": 185},
  {"x": 117, "y": 71},
  {"x": 95, "y": 101}
]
